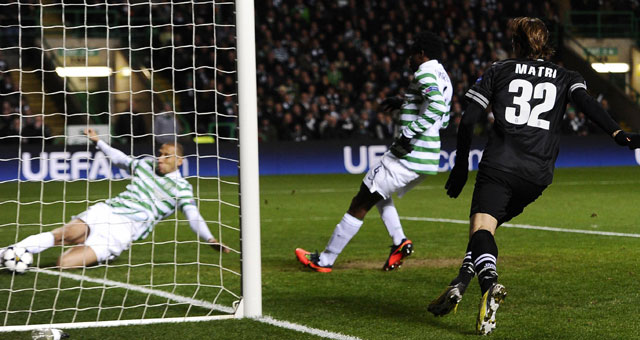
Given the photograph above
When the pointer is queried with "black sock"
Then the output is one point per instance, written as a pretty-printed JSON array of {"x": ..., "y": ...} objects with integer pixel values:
[
  {"x": 484, "y": 253},
  {"x": 466, "y": 272}
]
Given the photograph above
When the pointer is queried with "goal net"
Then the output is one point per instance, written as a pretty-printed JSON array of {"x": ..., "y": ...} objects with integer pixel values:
[{"x": 141, "y": 73}]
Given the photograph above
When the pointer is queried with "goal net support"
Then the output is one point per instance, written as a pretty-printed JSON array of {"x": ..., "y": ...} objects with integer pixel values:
[{"x": 141, "y": 73}]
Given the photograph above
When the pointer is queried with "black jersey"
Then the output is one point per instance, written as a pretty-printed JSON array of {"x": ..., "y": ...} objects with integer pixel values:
[{"x": 528, "y": 99}]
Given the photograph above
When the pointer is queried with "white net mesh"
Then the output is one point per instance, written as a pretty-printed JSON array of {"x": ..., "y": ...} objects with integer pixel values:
[{"x": 142, "y": 73}]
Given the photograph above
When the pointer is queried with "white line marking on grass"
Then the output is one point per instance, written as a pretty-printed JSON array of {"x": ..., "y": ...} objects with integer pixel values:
[
  {"x": 525, "y": 226},
  {"x": 305, "y": 329},
  {"x": 139, "y": 289},
  {"x": 200, "y": 303}
]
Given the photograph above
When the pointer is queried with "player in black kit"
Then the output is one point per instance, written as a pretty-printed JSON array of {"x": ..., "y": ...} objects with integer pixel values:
[{"x": 528, "y": 96}]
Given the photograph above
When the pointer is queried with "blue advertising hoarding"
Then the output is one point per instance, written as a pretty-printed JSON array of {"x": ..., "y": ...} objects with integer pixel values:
[{"x": 31, "y": 163}]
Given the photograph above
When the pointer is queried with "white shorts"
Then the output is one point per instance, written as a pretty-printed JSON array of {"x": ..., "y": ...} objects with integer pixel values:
[
  {"x": 109, "y": 233},
  {"x": 390, "y": 176}
]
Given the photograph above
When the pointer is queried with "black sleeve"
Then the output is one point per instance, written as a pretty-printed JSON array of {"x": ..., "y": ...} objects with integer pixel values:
[
  {"x": 594, "y": 111},
  {"x": 465, "y": 130}
]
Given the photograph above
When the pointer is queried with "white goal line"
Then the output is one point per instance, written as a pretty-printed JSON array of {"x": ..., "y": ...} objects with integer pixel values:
[{"x": 179, "y": 298}]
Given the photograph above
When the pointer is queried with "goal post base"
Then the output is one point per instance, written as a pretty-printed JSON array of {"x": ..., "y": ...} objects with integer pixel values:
[{"x": 114, "y": 323}]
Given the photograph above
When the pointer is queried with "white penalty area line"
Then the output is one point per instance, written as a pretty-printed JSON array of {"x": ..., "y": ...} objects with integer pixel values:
[
  {"x": 144, "y": 290},
  {"x": 525, "y": 226}
]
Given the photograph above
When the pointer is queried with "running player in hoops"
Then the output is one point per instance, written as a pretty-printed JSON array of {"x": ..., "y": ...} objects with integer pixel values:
[
  {"x": 528, "y": 96},
  {"x": 106, "y": 229},
  {"x": 413, "y": 156}
]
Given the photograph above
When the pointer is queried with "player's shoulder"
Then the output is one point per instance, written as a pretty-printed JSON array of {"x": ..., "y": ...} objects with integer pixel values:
[
  {"x": 428, "y": 68},
  {"x": 431, "y": 69},
  {"x": 146, "y": 163},
  {"x": 500, "y": 64}
]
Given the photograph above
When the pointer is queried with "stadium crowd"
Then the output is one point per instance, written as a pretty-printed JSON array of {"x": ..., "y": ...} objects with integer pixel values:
[{"x": 323, "y": 67}]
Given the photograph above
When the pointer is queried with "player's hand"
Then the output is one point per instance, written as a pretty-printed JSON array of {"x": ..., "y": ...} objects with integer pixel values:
[
  {"x": 634, "y": 140},
  {"x": 457, "y": 180},
  {"x": 391, "y": 103},
  {"x": 91, "y": 134},
  {"x": 401, "y": 146},
  {"x": 219, "y": 246}
]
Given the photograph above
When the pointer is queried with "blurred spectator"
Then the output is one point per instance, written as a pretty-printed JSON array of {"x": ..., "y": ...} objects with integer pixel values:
[
  {"x": 34, "y": 129},
  {"x": 166, "y": 127},
  {"x": 574, "y": 123},
  {"x": 383, "y": 126},
  {"x": 129, "y": 125},
  {"x": 267, "y": 132}
]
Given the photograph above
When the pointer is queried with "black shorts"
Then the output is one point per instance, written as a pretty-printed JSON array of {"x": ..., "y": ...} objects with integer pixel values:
[{"x": 502, "y": 194}]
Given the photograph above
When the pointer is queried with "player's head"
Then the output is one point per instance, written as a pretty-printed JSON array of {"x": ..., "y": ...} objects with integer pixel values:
[
  {"x": 169, "y": 158},
  {"x": 530, "y": 38},
  {"x": 426, "y": 45}
]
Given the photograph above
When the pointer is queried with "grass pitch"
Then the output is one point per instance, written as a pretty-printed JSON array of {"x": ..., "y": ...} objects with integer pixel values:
[{"x": 561, "y": 285}]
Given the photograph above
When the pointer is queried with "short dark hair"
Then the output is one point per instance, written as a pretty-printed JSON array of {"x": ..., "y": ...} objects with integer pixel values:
[
  {"x": 530, "y": 38},
  {"x": 178, "y": 147},
  {"x": 429, "y": 44}
]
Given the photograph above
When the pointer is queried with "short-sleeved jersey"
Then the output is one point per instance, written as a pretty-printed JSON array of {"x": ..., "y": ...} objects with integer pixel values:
[
  {"x": 149, "y": 197},
  {"x": 528, "y": 99},
  {"x": 424, "y": 112}
]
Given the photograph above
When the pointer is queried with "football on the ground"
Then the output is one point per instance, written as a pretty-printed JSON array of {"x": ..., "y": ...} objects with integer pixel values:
[{"x": 17, "y": 259}]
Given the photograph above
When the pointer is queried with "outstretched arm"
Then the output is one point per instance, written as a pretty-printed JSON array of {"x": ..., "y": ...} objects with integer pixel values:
[
  {"x": 200, "y": 228},
  {"x": 459, "y": 173},
  {"x": 118, "y": 158}
]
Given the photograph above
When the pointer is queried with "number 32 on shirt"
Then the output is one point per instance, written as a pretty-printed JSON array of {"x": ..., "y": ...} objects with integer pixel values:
[{"x": 524, "y": 114}]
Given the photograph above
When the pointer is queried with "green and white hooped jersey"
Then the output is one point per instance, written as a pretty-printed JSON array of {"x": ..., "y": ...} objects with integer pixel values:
[
  {"x": 149, "y": 198},
  {"x": 424, "y": 112}
]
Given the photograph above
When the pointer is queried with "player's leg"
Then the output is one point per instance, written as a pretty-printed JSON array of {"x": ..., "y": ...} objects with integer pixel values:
[
  {"x": 391, "y": 220},
  {"x": 492, "y": 194},
  {"x": 380, "y": 182},
  {"x": 483, "y": 246},
  {"x": 490, "y": 197},
  {"x": 74, "y": 232},
  {"x": 368, "y": 195},
  {"x": 518, "y": 193},
  {"x": 78, "y": 256},
  {"x": 349, "y": 225},
  {"x": 343, "y": 232},
  {"x": 484, "y": 251},
  {"x": 402, "y": 246},
  {"x": 450, "y": 297}
]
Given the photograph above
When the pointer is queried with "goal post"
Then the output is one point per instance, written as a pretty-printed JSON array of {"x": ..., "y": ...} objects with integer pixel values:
[
  {"x": 141, "y": 73},
  {"x": 249, "y": 168}
]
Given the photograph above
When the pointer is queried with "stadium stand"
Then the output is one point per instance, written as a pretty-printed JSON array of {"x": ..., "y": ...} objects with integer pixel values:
[{"x": 326, "y": 80}]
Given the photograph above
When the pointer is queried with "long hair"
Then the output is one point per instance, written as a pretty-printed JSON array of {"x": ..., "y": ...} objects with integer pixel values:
[{"x": 530, "y": 38}]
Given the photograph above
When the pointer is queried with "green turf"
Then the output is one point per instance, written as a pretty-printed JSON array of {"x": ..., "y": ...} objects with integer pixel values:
[{"x": 561, "y": 285}]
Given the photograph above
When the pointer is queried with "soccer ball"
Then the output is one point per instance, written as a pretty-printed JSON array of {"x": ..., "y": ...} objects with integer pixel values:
[{"x": 17, "y": 259}]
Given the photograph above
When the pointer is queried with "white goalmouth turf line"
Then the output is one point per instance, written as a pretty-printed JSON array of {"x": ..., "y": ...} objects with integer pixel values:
[
  {"x": 305, "y": 329},
  {"x": 525, "y": 226},
  {"x": 179, "y": 298}
]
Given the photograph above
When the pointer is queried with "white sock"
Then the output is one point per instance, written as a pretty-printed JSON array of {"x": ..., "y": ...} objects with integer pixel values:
[
  {"x": 37, "y": 243},
  {"x": 391, "y": 220},
  {"x": 342, "y": 234}
]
